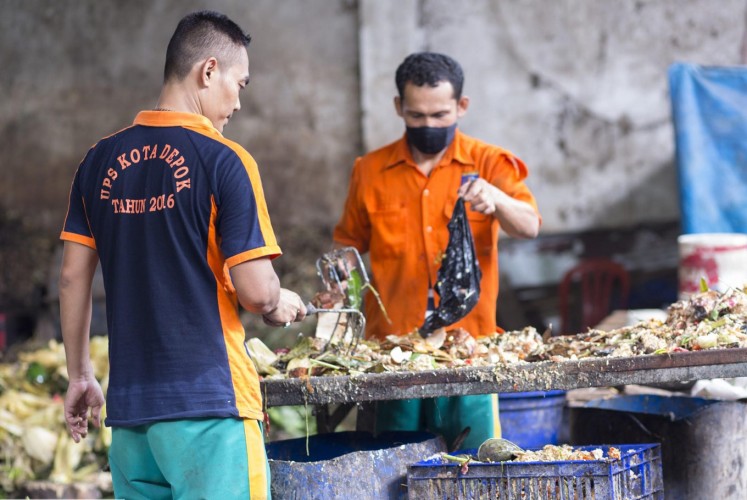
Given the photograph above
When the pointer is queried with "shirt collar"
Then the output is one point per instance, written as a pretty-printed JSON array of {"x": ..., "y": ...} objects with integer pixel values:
[
  {"x": 174, "y": 119},
  {"x": 456, "y": 151}
]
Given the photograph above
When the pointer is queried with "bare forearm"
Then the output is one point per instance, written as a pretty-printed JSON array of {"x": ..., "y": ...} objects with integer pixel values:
[
  {"x": 75, "y": 320},
  {"x": 518, "y": 219},
  {"x": 76, "y": 275},
  {"x": 257, "y": 285},
  {"x": 258, "y": 289},
  {"x": 263, "y": 298}
]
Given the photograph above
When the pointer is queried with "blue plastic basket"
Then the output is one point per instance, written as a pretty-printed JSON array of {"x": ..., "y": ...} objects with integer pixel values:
[{"x": 636, "y": 475}]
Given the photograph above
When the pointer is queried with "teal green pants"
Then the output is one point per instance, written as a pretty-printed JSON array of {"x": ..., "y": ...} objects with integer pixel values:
[
  {"x": 184, "y": 459},
  {"x": 447, "y": 416}
]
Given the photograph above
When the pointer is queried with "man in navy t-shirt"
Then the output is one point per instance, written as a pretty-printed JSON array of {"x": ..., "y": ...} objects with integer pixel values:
[{"x": 176, "y": 215}]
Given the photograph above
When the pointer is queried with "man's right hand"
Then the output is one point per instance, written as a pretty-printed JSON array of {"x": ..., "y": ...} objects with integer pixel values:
[{"x": 290, "y": 308}]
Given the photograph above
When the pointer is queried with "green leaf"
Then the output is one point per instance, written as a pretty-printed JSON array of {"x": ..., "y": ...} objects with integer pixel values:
[
  {"x": 717, "y": 324},
  {"x": 703, "y": 284},
  {"x": 354, "y": 291}
]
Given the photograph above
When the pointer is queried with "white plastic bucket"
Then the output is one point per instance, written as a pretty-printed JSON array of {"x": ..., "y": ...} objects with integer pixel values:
[{"x": 718, "y": 258}]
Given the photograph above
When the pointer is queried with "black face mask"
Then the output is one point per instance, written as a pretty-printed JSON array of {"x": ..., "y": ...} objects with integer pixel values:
[{"x": 431, "y": 140}]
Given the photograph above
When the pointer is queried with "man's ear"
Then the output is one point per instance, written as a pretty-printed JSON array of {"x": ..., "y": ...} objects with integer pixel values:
[
  {"x": 207, "y": 70},
  {"x": 462, "y": 105},
  {"x": 398, "y": 105}
]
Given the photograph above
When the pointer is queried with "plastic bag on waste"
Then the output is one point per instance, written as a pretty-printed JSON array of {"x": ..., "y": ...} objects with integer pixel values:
[
  {"x": 730, "y": 389},
  {"x": 458, "y": 281}
]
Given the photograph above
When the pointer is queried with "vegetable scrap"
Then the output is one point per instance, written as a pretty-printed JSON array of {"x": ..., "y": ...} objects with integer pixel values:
[
  {"x": 707, "y": 320},
  {"x": 548, "y": 453},
  {"x": 564, "y": 453},
  {"x": 34, "y": 442}
]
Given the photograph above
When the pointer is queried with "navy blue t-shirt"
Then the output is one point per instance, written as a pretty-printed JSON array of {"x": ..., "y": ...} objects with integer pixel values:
[{"x": 170, "y": 204}]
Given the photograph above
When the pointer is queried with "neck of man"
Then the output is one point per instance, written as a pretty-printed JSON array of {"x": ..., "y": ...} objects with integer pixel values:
[
  {"x": 426, "y": 163},
  {"x": 175, "y": 98}
]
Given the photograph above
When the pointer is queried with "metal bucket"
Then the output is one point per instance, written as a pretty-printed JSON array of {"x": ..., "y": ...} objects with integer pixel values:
[
  {"x": 703, "y": 442},
  {"x": 348, "y": 465}
]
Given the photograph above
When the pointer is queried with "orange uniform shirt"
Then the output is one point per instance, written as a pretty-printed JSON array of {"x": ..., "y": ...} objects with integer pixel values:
[{"x": 399, "y": 215}]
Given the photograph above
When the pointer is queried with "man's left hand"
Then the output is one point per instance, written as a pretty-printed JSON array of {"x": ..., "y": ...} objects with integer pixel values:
[
  {"x": 481, "y": 195},
  {"x": 81, "y": 395},
  {"x": 517, "y": 218}
]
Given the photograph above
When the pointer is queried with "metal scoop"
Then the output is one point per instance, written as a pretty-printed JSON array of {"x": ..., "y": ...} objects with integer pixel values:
[{"x": 342, "y": 270}]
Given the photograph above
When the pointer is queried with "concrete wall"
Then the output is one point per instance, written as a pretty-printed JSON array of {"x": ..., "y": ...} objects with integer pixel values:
[
  {"x": 79, "y": 70},
  {"x": 576, "y": 88}
]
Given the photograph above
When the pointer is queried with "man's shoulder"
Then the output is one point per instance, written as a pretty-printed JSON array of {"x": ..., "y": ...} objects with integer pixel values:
[
  {"x": 113, "y": 138},
  {"x": 383, "y": 156},
  {"x": 236, "y": 148},
  {"x": 480, "y": 152},
  {"x": 478, "y": 146},
  {"x": 212, "y": 140}
]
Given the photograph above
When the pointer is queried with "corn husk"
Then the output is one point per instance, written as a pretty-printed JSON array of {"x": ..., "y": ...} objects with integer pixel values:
[
  {"x": 34, "y": 443},
  {"x": 66, "y": 459},
  {"x": 262, "y": 356},
  {"x": 39, "y": 443}
]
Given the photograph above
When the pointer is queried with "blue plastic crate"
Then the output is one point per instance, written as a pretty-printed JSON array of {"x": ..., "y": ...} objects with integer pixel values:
[{"x": 636, "y": 475}]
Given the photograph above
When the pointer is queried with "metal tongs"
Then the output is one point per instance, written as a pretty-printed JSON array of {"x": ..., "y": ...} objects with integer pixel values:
[{"x": 341, "y": 270}]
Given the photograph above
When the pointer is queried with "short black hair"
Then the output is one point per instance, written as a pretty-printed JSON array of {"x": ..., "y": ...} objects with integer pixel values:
[
  {"x": 429, "y": 68},
  {"x": 198, "y": 36}
]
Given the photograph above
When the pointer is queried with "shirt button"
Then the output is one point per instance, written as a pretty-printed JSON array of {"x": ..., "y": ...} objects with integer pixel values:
[
  {"x": 426, "y": 192},
  {"x": 428, "y": 229}
]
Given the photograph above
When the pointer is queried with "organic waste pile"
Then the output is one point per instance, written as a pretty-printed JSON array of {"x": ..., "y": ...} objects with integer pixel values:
[
  {"x": 34, "y": 443},
  {"x": 564, "y": 453},
  {"x": 495, "y": 450},
  {"x": 707, "y": 320}
]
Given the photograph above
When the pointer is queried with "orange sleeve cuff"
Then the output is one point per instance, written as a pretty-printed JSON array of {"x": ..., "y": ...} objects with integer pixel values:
[
  {"x": 78, "y": 238},
  {"x": 268, "y": 251}
]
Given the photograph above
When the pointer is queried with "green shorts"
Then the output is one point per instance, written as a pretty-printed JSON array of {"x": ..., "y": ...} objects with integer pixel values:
[
  {"x": 447, "y": 416},
  {"x": 196, "y": 458}
]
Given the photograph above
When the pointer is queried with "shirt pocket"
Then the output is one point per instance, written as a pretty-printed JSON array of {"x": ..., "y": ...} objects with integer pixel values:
[
  {"x": 484, "y": 231},
  {"x": 389, "y": 226}
]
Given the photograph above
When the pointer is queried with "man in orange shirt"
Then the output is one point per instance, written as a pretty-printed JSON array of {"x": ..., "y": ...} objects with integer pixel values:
[{"x": 399, "y": 203}]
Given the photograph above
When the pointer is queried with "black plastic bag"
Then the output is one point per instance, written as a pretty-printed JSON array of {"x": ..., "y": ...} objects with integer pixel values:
[{"x": 458, "y": 284}]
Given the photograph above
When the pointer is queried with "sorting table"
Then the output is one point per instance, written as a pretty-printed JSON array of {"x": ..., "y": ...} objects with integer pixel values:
[{"x": 519, "y": 377}]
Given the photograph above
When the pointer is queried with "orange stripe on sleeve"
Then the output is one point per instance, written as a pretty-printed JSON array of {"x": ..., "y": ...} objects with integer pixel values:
[
  {"x": 78, "y": 238},
  {"x": 271, "y": 251}
]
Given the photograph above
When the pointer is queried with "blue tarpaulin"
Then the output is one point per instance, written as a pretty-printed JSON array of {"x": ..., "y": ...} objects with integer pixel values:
[{"x": 709, "y": 111}]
